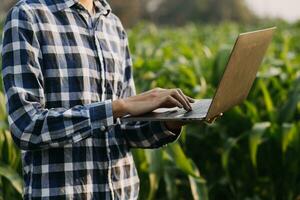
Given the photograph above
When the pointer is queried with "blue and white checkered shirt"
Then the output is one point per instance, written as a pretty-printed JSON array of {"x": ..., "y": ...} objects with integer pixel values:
[{"x": 62, "y": 68}]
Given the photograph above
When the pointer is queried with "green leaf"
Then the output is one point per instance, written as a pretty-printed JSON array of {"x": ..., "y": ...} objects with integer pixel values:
[
  {"x": 267, "y": 99},
  {"x": 170, "y": 185},
  {"x": 3, "y": 125},
  {"x": 220, "y": 63},
  {"x": 252, "y": 112},
  {"x": 225, "y": 158},
  {"x": 155, "y": 162},
  {"x": 2, "y": 140},
  {"x": 10, "y": 151},
  {"x": 289, "y": 134},
  {"x": 2, "y": 107},
  {"x": 182, "y": 162},
  {"x": 289, "y": 108},
  {"x": 12, "y": 176},
  {"x": 140, "y": 159},
  {"x": 256, "y": 138},
  {"x": 154, "y": 184},
  {"x": 198, "y": 185},
  {"x": 230, "y": 144}
]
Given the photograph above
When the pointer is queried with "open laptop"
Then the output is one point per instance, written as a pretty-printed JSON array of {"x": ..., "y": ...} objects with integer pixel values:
[{"x": 234, "y": 87}]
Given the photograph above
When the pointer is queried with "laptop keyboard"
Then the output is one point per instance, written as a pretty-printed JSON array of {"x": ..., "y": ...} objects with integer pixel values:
[
  {"x": 201, "y": 106},
  {"x": 200, "y": 109}
]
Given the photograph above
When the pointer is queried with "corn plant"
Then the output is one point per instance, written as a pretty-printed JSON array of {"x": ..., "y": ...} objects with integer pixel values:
[
  {"x": 252, "y": 152},
  {"x": 10, "y": 179}
]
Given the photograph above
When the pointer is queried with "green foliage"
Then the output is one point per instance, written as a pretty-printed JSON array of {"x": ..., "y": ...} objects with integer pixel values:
[
  {"x": 12, "y": 176},
  {"x": 10, "y": 160},
  {"x": 252, "y": 152}
]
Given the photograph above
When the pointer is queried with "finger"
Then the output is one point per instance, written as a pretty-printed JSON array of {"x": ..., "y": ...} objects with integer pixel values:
[
  {"x": 191, "y": 100},
  {"x": 175, "y": 94},
  {"x": 187, "y": 103},
  {"x": 210, "y": 121},
  {"x": 173, "y": 102},
  {"x": 215, "y": 118},
  {"x": 174, "y": 124},
  {"x": 185, "y": 98}
]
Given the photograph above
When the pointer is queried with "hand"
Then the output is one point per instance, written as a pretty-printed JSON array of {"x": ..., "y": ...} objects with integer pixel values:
[
  {"x": 151, "y": 100},
  {"x": 177, "y": 125},
  {"x": 210, "y": 121}
]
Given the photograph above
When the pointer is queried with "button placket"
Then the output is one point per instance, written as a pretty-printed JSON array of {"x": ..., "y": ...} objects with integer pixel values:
[
  {"x": 103, "y": 128},
  {"x": 91, "y": 28},
  {"x": 102, "y": 73},
  {"x": 99, "y": 55}
]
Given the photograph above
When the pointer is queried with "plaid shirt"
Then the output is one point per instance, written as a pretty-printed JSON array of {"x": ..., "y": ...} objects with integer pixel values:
[{"x": 62, "y": 68}]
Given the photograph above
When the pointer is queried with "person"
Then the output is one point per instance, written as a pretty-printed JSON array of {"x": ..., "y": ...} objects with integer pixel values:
[{"x": 68, "y": 79}]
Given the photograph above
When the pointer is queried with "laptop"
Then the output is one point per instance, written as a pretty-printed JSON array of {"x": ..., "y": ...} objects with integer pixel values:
[{"x": 234, "y": 86}]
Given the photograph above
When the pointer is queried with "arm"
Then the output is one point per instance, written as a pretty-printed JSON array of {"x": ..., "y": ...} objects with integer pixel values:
[
  {"x": 32, "y": 125},
  {"x": 141, "y": 134}
]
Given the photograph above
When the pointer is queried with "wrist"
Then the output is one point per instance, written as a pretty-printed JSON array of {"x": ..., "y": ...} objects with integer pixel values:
[{"x": 119, "y": 108}]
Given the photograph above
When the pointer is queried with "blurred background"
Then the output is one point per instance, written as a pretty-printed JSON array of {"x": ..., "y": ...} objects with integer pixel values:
[{"x": 253, "y": 151}]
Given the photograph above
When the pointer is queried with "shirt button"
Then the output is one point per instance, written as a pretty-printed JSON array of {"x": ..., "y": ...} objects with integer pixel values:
[{"x": 102, "y": 128}]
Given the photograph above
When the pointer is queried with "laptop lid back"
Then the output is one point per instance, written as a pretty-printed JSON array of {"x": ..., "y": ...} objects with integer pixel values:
[{"x": 241, "y": 70}]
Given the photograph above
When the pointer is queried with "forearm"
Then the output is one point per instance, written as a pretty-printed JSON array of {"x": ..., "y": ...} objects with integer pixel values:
[
  {"x": 41, "y": 128},
  {"x": 148, "y": 134},
  {"x": 121, "y": 108}
]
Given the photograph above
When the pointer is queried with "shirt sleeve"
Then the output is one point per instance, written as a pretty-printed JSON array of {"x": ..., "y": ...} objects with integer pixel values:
[
  {"x": 32, "y": 125},
  {"x": 142, "y": 134}
]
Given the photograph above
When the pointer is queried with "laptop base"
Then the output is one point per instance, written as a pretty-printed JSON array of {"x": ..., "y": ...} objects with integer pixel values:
[{"x": 199, "y": 112}]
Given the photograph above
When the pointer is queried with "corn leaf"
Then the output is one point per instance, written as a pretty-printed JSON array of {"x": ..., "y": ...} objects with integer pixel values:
[
  {"x": 256, "y": 138},
  {"x": 267, "y": 99},
  {"x": 2, "y": 107},
  {"x": 289, "y": 108},
  {"x": 198, "y": 185},
  {"x": 12, "y": 176},
  {"x": 170, "y": 185},
  {"x": 182, "y": 162},
  {"x": 155, "y": 163},
  {"x": 289, "y": 134}
]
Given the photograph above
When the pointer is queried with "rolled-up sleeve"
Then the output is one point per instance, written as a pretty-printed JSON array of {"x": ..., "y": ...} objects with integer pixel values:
[
  {"x": 142, "y": 134},
  {"x": 32, "y": 125}
]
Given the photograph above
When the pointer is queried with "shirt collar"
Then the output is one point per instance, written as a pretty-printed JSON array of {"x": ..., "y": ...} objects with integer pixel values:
[{"x": 56, "y": 5}]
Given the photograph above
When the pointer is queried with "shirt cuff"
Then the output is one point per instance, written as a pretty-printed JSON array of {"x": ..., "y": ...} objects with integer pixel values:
[
  {"x": 169, "y": 132},
  {"x": 166, "y": 136},
  {"x": 101, "y": 115}
]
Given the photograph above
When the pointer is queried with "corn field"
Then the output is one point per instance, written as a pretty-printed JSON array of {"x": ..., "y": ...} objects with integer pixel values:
[{"x": 252, "y": 152}]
